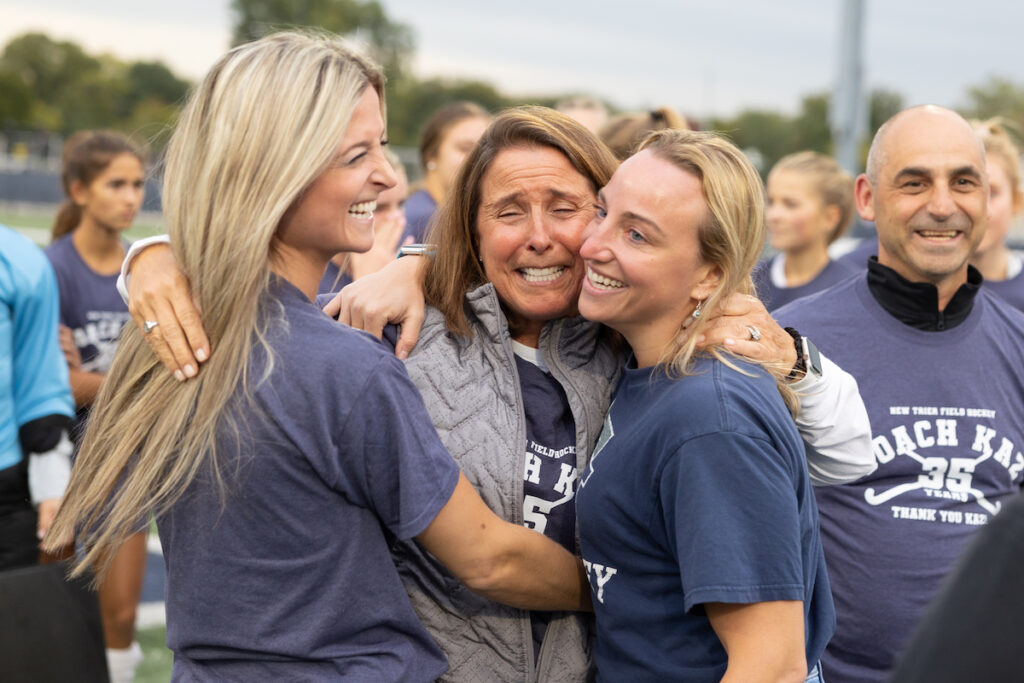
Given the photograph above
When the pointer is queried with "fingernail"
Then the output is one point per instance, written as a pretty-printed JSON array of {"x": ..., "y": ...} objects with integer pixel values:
[
  {"x": 403, "y": 354},
  {"x": 700, "y": 338},
  {"x": 190, "y": 371},
  {"x": 200, "y": 355},
  {"x": 730, "y": 342},
  {"x": 39, "y": 534},
  {"x": 178, "y": 376}
]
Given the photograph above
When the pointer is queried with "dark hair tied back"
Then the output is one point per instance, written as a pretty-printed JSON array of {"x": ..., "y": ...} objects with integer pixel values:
[{"x": 86, "y": 155}]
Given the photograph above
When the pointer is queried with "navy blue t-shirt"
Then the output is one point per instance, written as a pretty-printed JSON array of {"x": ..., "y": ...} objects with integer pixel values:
[
  {"x": 774, "y": 296},
  {"x": 549, "y": 477},
  {"x": 1011, "y": 289},
  {"x": 947, "y": 415},
  {"x": 333, "y": 280},
  {"x": 420, "y": 208},
  {"x": 291, "y": 579},
  {"x": 91, "y": 306},
  {"x": 698, "y": 492},
  {"x": 859, "y": 255}
]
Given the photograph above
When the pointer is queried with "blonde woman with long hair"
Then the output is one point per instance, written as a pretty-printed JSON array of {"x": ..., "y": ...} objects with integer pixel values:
[
  {"x": 697, "y": 520},
  {"x": 280, "y": 475}
]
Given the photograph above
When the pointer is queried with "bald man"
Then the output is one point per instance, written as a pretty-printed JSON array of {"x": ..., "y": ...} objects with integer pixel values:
[{"x": 939, "y": 363}]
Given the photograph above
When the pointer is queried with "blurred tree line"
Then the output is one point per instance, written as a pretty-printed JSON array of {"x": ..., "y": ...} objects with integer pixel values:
[{"x": 55, "y": 86}]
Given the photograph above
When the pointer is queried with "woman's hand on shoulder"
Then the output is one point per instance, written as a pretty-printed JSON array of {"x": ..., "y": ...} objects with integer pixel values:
[
  {"x": 731, "y": 326},
  {"x": 159, "y": 292},
  {"x": 393, "y": 294}
]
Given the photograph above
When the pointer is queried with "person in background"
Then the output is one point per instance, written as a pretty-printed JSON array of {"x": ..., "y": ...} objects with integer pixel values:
[
  {"x": 810, "y": 205},
  {"x": 624, "y": 132},
  {"x": 103, "y": 178},
  {"x": 1002, "y": 269},
  {"x": 388, "y": 230},
  {"x": 281, "y": 474},
  {"x": 590, "y": 112},
  {"x": 36, "y": 406},
  {"x": 938, "y": 358},
  {"x": 447, "y": 138},
  {"x": 697, "y": 519}
]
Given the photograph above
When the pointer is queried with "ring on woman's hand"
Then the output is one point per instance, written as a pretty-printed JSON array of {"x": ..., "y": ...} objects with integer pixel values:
[
  {"x": 148, "y": 325},
  {"x": 755, "y": 334}
]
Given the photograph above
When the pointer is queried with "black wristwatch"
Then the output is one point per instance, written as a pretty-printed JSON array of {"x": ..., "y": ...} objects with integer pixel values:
[{"x": 808, "y": 360}]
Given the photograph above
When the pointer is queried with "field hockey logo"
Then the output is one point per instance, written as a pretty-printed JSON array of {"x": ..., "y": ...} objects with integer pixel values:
[{"x": 942, "y": 477}]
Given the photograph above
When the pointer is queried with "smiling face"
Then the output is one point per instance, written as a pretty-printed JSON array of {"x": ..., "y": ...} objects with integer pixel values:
[
  {"x": 929, "y": 198},
  {"x": 534, "y": 207},
  {"x": 798, "y": 219},
  {"x": 642, "y": 254},
  {"x": 113, "y": 199},
  {"x": 335, "y": 213}
]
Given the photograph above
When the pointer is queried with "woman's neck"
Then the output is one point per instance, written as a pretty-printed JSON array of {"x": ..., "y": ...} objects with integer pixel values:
[
  {"x": 100, "y": 248},
  {"x": 304, "y": 270},
  {"x": 803, "y": 265},
  {"x": 992, "y": 264},
  {"x": 433, "y": 184}
]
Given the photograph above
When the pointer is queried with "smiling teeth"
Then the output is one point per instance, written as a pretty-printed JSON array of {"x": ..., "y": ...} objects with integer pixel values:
[
  {"x": 541, "y": 274},
  {"x": 602, "y": 282},
  {"x": 363, "y": 209},
  {"x": 935, "y": 234}
]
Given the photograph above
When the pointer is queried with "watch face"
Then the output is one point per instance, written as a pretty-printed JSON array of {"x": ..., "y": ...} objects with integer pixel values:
[{"x": 811, "y": 357}]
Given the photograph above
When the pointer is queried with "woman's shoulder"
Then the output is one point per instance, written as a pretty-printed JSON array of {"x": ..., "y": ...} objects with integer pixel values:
[
  {"x": 420, "y": 203},
  {"x": 722, "y": 395},
  {"x": 318, "y": 341},
  {"x": 60, "y": 249}
]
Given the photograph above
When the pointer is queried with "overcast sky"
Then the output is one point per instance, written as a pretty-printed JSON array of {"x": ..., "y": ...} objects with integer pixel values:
[{"x": 711, "y": 57}]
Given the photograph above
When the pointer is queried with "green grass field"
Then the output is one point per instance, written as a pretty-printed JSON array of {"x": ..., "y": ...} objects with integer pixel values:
[
  {"x": 35, "y": 222},
  {"x": 156, "y": 658}
]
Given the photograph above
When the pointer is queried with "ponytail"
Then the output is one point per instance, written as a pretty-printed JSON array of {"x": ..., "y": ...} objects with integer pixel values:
[
  {"x": 86, "y": 155},
  {"x": 69, "y": 215}
]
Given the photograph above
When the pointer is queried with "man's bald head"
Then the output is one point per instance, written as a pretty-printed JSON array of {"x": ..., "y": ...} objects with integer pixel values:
[
  {"x": 903, "y": 120},
  {"x": 926, "y": 189}
]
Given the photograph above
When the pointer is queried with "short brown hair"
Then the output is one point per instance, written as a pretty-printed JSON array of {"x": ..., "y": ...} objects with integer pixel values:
[{"x": 456, "y": 269}]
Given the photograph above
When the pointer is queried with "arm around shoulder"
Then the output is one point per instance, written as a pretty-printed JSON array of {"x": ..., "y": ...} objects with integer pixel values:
[
  {"x": 159, "y": 297},
  {"x": 834, "y": 425}
]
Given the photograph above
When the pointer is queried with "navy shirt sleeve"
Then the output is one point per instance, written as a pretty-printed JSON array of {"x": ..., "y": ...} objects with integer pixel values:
[
  {"x": 732, "y": 520},
  {"x": 405, "y": 474}
]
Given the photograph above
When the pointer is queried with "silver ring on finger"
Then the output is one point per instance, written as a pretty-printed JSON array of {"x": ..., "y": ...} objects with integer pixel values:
[
  {"x": 148, "y": 325},
  {"x": 755, "y": 334}
]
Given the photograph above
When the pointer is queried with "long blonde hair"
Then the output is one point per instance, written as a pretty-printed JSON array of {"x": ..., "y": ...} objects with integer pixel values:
[
  {"x": 998, "y": 143},
  {"x": 833, "y": 184},
  {"x": 730, "y": 236},
  {"x": 264, "y": 123}
]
